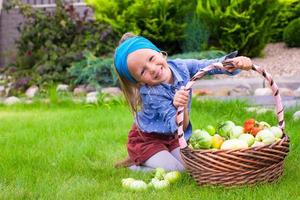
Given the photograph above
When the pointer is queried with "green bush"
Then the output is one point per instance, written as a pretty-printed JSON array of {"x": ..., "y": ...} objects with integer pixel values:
[
  {"x": 195, "y": 35},
  {"x": 291, "y": 34},
  {"x": 93, "y": 71},
  {"x": 289, "y": 11},
  {"x": 51, "y": 40},
  {"x": 211, "y": 54},
  {"x": 161, "y": 21},
  {"x": 242, "y": 25}
]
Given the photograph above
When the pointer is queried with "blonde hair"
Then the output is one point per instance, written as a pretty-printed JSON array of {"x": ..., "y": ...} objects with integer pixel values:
[{"x": 130, "y": 90}]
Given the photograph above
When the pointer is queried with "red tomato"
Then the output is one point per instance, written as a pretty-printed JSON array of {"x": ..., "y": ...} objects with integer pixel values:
[
  {"x": 248, "y": 125},
  {"x": 255, "y": 130}
]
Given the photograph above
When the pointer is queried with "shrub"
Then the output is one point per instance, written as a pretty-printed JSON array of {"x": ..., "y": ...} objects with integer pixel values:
[
  {"x": 238, "y": 24},
  {"x": 93, "y": 71},
  {"x": 289, "y": 11},
  {"x": 200, "y": 55},
  {"x": 51, "y": 40},
  {"x": 161, "y": 21},
  {"x": 291, "y": 33},
  {"x": 195, "y": 35}
]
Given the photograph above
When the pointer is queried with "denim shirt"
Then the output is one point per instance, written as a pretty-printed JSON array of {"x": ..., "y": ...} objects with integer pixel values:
[{"x": 158, "y": 114}]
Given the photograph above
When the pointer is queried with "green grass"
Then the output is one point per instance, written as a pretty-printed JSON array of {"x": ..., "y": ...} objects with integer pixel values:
[{"x": 67, "y": 151}]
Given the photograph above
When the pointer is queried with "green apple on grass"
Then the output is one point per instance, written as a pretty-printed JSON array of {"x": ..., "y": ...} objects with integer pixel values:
[
  {"x": 159, "y": 184},
  {"x": 159, "y": 173},
  {"x": 172, "y": 176}
]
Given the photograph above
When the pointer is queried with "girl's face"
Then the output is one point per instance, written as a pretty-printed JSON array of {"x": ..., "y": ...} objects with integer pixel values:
[{"x": 149, "y": 67}]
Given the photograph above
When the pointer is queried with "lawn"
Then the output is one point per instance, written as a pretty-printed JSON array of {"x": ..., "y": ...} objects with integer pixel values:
[{"x": 68, "y": 151}]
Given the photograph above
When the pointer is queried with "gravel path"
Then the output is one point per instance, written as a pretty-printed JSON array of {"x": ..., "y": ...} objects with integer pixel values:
[{"x": 278, "y": 60}]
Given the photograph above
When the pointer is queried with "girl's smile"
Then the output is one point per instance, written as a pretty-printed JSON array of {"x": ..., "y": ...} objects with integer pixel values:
[{"x": 149, "y": 67}]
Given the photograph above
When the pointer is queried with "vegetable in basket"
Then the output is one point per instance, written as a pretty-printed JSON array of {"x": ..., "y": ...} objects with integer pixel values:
[
  {"x": 234, "y": 144},
  {"x": 265, "y": 136},
  {"x": 248, "y": 125},
  {"x": 263, "y": 125},
  {"x": 225, "y": 129},
  {"x": 217, "y": 141},
  {"x": 277, "y": 132},
  {"x": 210, "y": 129},
  {"x": 248, "y": 138},
  {"x": 252, "y": 126},
  {"x": 201, "y": 139},
  {"x": 230, "y": 136},
  {"x": 257, "y": 144},
  {"x": 236, "y": 131}
]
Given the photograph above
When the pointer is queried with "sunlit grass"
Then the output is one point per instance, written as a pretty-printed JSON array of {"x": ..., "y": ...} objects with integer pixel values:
[{"x": 67, "y": 151}]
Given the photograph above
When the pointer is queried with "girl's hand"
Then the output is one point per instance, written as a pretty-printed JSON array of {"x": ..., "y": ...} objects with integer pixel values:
[
  {"x": 181, "y": 98},
  {"x": 240, "y": 62}
]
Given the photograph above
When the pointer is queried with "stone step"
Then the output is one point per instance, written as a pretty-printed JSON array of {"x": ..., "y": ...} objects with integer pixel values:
[
  {"x": 267, "y": 101},
  {"x": 216, "y": 84}
]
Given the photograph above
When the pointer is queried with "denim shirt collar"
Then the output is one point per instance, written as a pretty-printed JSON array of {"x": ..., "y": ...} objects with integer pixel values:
[{"x": 177, "y": 77}]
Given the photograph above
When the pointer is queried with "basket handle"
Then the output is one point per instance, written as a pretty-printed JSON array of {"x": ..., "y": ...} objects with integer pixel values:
[{"x": 224, "y": 66}]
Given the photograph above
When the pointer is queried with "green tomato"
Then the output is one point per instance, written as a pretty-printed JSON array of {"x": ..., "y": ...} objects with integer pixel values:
[
  {"x": 196, "y": 134},
  {"x": 236, "y": 131},
  {"x": 257, "y": 144},
  {"x": 172, "y": 176},
  {"x": 138, "y": 185},
  {"x": 265, "y": 136},
  {"x": 197, "y": 146},
  {"x": 211, "y": 130},
  {"x": 248, "y": 138},
  {"x": 234, "y": 144},
  {"x": 276, "y": 131},
  {"x": 263, "y": 124},
  {"x": 159, "y": 184},
  {"x": 159, "y": 173},
  {"x": 225, "y": 128},
  {"x": 203, "y": 140},
  {"x": 126, "y": 182}
]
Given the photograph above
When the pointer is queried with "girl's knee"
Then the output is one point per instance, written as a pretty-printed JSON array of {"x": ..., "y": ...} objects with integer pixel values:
[
  {"x": 173, "y": 166},
  {"x": 165, "y": 160},
  {"x": 180, "y": 167}
]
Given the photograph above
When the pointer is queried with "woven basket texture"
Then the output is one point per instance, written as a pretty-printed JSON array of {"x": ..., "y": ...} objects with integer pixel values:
[{"x": 238, "y": 167}]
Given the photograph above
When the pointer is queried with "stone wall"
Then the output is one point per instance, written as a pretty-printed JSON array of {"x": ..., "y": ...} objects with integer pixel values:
[
  {"x": 8, "y": 34},
  {"x": 10, "y": 21}
]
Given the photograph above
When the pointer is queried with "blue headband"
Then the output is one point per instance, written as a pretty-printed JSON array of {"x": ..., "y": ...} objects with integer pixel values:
[{"x": 128, "y": 46}]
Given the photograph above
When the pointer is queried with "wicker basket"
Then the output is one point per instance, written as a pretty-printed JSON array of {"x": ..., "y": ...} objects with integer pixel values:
[{"x": 238, "y": 167}]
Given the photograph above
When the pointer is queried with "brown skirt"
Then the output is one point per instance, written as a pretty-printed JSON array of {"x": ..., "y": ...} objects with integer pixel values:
[{"x": 141, "y": 146}]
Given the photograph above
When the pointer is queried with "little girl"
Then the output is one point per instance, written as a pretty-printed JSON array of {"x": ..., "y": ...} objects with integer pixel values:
[{"x": 151, "y": 85}]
